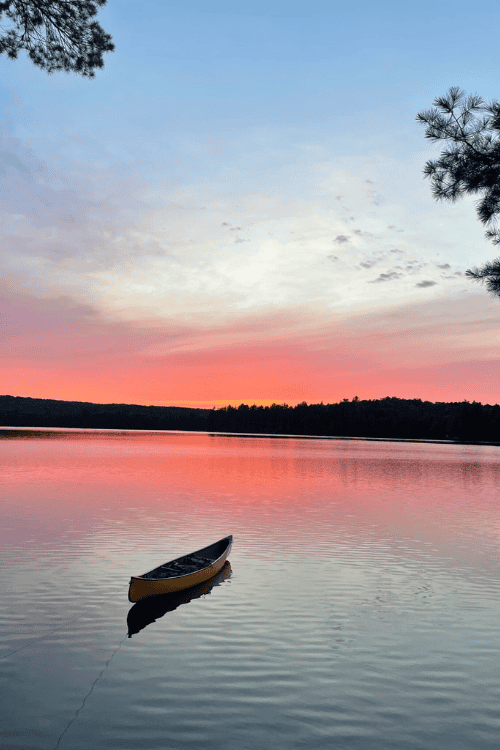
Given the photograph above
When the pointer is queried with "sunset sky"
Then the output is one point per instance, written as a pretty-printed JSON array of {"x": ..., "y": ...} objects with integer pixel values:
[{"x": 234, "y": 210}]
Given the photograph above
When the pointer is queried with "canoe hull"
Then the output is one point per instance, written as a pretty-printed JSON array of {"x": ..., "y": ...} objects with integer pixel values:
[{"x": 140, "y": 587}]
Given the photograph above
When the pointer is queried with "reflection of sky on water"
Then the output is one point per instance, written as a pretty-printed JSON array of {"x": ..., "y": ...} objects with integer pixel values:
[
  {"x": 362, "y": 607},
  {"x": 291, "y": 493}
]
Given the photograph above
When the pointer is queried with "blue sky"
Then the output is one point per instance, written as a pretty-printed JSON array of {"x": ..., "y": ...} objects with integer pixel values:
[{"x": 234, "y": 165}]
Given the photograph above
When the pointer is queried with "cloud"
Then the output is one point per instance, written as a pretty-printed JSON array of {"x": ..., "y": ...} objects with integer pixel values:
[
  {"x": 137, "y": 251},
  {"x": 12, "y": 160},
  {"x": 425, "y": 284},
  {"x": 389, "y": 276},
  {"x": 375, "y": 198}
]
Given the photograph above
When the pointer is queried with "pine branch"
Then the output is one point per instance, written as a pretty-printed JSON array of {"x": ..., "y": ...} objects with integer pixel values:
[{"x": 56, "y": 34}]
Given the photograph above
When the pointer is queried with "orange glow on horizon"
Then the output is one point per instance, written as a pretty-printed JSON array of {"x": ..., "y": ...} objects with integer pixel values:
[
  {"x": 431, "y": 351},
  {"x": 137, "y": 384}
]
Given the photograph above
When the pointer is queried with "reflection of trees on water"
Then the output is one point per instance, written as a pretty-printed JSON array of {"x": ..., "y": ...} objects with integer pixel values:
[{"x": 146, "y": 611}]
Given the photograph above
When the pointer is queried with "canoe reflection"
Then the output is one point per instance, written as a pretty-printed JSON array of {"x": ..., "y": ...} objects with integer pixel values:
[{"x": 151, "y": 609}]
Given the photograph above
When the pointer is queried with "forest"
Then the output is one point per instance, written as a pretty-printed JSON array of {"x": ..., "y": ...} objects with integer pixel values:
[{"x": 390, "y": 417}]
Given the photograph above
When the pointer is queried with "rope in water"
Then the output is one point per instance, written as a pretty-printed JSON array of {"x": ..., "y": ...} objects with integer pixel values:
[
  {"x": 91, "y": 689},
  {"x": 61, "y": 627}
]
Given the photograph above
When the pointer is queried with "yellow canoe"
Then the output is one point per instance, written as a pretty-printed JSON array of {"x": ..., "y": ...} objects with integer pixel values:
[
  {"x": 153, "y": 608},
  {"x": 181, "y": 573}
]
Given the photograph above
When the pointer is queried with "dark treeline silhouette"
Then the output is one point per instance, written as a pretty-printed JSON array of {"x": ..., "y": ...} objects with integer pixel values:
[
  {"x": 383, "y": 418},
  {"x": 16, "y": 411}
]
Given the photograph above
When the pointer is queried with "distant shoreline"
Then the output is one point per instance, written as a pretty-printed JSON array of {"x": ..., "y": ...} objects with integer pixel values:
[
  {"x": 271, "y": 435},
  {"x": 387, "y": 419}
]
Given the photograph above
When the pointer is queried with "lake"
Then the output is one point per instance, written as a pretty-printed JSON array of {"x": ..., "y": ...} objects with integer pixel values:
[{"x": 359, "y": 610}]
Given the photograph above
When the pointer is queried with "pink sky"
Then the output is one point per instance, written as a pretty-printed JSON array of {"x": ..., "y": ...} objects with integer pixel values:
[{"x": 438, "y": 351}]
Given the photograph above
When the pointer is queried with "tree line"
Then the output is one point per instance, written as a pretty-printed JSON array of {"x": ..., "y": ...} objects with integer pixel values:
[
  {"x": 389, "y": 417},
  {"x": 382, "y": 418},
  {"x": 16, "y": 411}
]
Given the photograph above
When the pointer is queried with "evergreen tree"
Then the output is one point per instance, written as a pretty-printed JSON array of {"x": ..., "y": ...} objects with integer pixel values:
[
  {"x": 469, "y": 164},
  {"x": 56, "y": 34}
]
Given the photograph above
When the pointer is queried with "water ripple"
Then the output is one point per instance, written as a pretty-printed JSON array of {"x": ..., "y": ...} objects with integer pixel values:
[{"x": 361, "y": 610}]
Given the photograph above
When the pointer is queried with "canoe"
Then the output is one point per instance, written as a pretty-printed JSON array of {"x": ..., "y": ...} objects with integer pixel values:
[
  {"x": 181, "y": 573},
  {"x": 151, "y": 609}
]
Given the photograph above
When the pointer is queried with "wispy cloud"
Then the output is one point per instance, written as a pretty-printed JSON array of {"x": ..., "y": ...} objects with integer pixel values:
[{"x": 389, "y": 276}]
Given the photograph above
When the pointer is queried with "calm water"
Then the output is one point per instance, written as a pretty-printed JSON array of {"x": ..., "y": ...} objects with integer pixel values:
[{"x": 360, "y": 609}]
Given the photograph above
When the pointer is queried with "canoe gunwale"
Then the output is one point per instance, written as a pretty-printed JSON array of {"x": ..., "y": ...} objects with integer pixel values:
[{"x": 228, "y": 539}]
